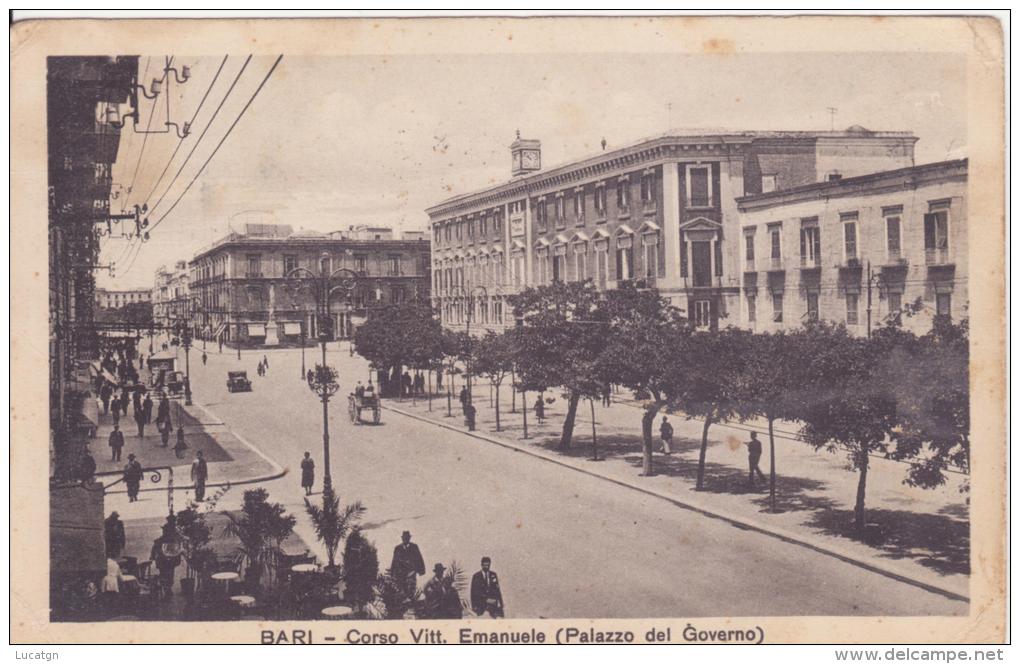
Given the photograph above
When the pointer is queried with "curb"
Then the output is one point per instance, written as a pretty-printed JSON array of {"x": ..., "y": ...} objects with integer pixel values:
[
  {"x": 278, "y": 471},
  {"x": 733, "y": 520}
]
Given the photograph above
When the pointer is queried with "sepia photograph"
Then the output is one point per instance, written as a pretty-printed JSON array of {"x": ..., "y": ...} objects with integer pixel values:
[{"x": 541, "y": 341}]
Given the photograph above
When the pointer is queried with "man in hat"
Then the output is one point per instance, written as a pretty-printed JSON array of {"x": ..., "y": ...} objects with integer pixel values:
[
  {"x": 199, "y": 474},
  {"x": 132, "y": 478},
  {"x": 147, "y": 408},
  {"x": 486, "y": 596},
  {"x": 116, "y": 442},
  {"x": 441, "y": 597},
  {"x": 753, "y": 457},
  {"x": 407, "y": 564},
  {"x": 113, "y": 534},
  {"x": 166, "y": 553}
]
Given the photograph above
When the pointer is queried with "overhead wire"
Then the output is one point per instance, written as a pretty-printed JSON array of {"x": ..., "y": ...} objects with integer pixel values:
[
  {"x": 202, "y": 135},
  {"x": 222, "y": 140},
  {"x": 145, "y": 136}
]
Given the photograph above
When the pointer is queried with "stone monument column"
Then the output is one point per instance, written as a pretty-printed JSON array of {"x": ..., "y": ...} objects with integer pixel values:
[{"x": 272, "y": 330}]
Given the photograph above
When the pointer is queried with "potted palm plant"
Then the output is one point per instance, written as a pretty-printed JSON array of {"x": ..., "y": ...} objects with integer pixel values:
[
  {"x": 332, "y": 522},
  {"x": 195, "y": 535},
  {"x": 261, "y": 527}
]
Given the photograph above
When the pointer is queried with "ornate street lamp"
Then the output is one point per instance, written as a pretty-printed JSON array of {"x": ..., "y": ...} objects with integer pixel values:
[{"x": 323, "y": 381}]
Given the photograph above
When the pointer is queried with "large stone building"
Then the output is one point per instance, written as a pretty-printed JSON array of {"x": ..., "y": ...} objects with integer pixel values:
[
  {"x": 662, "y": 211},
  {"x": 171, "y": 294},
  {"x": 857, "y": 250},
  {"x": 115, "y": 299},
  {"x": 241, "y": 291}
]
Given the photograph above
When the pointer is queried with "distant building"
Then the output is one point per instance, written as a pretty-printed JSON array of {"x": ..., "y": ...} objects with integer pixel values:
[
  {"x": 661, "y": 212},
  {"x": 171, "y": 294},
  {"x": 115, "y": 299},
  {"x": 241, "y": 291},
  {"x": 819, "y": 250}
]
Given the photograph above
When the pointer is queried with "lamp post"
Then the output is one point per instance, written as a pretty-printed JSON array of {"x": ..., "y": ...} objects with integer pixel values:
[
  {"x": 324, "y": 378},
  {"x": 184, "y": 327},
  {"x": 302, "y": 336}
]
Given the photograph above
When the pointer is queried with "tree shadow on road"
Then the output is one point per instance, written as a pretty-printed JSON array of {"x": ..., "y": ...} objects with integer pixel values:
[{"x": 938, "y": 542}]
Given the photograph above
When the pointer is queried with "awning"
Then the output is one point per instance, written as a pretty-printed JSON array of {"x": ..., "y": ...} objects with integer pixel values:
[
  {"x": 292, "y": 328},
  {"x": 257, "y": 330},
  {"x": 219, "y": 330}
]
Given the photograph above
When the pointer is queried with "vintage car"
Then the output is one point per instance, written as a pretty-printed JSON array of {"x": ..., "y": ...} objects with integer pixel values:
[{"x": 237, "y": 381}]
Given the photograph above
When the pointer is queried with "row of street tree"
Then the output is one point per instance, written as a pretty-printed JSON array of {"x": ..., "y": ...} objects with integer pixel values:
[{"x": 895, "y": 394}]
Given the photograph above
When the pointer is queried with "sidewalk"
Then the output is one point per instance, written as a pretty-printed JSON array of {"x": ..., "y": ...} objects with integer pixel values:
[{"x": 915, "y": 535}]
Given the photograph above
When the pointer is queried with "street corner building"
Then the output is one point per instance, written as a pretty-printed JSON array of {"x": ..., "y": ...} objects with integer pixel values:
[
  {"x": 705, "y": 218},
  {"x": 244, "y": 289}
]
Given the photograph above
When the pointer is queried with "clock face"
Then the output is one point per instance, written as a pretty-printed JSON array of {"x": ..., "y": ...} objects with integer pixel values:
[{"x": 531, "y": 159}]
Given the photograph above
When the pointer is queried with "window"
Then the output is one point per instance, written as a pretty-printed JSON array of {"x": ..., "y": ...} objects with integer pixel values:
[
  {"x": 683, "y": 258},
  {"x": 810, "y": 244},
  {"x": 361, "y": 263},
  {"x": 470, "y": 228},
  {"x": 936, "y": 237},
  {"x": 483, "y": 227},
  {"x": 849, "y": 236},
  {"x": 892, "y": 236},
  {"x": 718, "y": 257},
  {"x": 752, "y": 308},
  {"x": 895, "y": 302},
  {"x": 699, "y": 186},
  {"x": 776, "y": 245},
  {"x": 558, "y": 267},
  {"x": 397, "y": 295},
  {"x": 944, "y": 304},
  {"x": 749, "y": 252},
  {"x": 601, "y": 263},
  {"x": 449, "y": 231},
  {"x": 648, "y": 188},
  {"x": 579, "y": 205},
  {"x": 768, "y": 183},
  {"x": 777, "y": 307},
  {"x": 460, "y": 229},
  {"x": 702, "y": 313},
  {"x": 543, "y": 266},
  {"x": 394, "y": 266},
  {"x": 289, "y": 263},
  {"x": 254, "y": 265},
  {"x": 651, "y": 246},
  {"x": 497, "y": 223},
  {"x": 560, "y": 209},
  {"x": 600, "y": 199},
  {"x": 580, "y": 261},
  {"x": 540, "y": 215},
  {"x": 624, "y": 258},
  {"x": 851, "y": 308},
  {"x": 812, "y": 305},
  {"x": 622, "y": 194}
]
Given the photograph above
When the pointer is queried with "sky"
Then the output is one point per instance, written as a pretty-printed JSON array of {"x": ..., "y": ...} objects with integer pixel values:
[{"x": 332, "y": 142}]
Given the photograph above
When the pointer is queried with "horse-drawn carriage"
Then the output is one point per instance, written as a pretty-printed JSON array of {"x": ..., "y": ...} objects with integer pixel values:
[{"x": 359, "y": 401}]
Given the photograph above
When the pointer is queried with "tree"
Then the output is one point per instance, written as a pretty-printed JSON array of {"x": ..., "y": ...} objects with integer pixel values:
[
  {"x": 361, "y": 568},
  {"x": 195, "y": 535},
  {"x": 933, "y": 404},
  {"x": 645, "y": 336},
  {"x": 764, "y": 386},
  {"x": 710, "y": 370},
  {"x": 841, "y": 402},
  {"x": 494, "y": 357},
  {"x": 562, "y": 334},
  {"x": 331, "y": 522},
  {"x": 261, "y": 527},
  {"x": 398, "y": 335}
]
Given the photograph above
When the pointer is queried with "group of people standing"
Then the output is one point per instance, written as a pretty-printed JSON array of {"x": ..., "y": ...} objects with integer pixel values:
[
  {"x": 441, "y": 599},
  {"x": 263, "y": 367}
]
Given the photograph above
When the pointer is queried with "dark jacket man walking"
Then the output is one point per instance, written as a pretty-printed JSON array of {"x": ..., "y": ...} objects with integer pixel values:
[
  {"x": 486, "y": 596},
  {"x": 116, "y": 442},
  {"x": 407, "y": 564},
  {"x": 199, "y": 474},
  {"x": 753, "y": 457}
]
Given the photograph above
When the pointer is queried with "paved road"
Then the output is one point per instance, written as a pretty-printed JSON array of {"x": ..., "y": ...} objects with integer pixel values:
[{"x": 565, "y": 544}]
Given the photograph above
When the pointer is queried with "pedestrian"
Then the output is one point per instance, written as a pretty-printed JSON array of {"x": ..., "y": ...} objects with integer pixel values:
[
  {"x": 165, "y": 429},
  {"x": 407, "y": 564},
  {"x": 116, "y": 442},
  {"x": 163, "y": 412},
  {"x": 540, "y": 409},
  {"x": 87, "y": 467},
  {"x": 199, "y": 474},
  {"x": 105, "y": 392},
  {"x": 166, "y": 553},
  {"x": 147, "y": 408},
  {"x": 753, "y": 457},
  {"x": 607, "y": 396},
  {"x": 405, "y": 384},
  {"x": 132, "y": 478},
  {"x": 441, "y": 597},
  {"x": 115, "y": 410},
  {"x": 469, "y": 416},
  {"x": 125, "y": 399},
  {"x": 486, "y": 596},
  {"x": 136, "y": 400},
  {"x": 439, "y": 381},
  {"x": 265, "y": 362},
  {"x": 359, "y": 390},
  {"x": 221, "y": 344},
  {"x": 180, "y": 446},
  {"x": 465, "y": 398},
  {"x": 140, "y": 421},
  {"x": 666, "y": 431},
  {"x": 311, "y": 376},
  {"x": 205, "y": 358},
  {"x": 113, "y": 534},
  {"x": 307, "y": 473}
]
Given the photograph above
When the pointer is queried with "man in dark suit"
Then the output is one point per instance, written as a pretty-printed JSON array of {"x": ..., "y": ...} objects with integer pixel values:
[
  {"x": 407, "y": 564},
  {"x": 486, "y": 597}
]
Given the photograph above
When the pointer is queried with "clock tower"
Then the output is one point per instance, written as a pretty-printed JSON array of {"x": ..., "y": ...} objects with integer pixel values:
[{"x": 525, "y": 155}]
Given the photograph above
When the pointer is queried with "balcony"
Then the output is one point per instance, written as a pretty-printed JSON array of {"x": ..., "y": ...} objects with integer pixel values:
[
  {"x": 650, "y": 207},
  {"x": 749, "y": 265},
  {"x": 253, "y": 275},
  {"x": 851, "y": 263},
  {"x": 775, "y": 264},
  {"x": 937, "y": 257},
  {"x": 810, "y": 263}
]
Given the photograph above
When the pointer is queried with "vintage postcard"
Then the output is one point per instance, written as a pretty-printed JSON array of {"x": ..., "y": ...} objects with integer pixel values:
[{"x": 575, "y": 330}]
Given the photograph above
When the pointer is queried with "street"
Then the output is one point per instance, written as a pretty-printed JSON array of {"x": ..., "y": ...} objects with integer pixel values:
[{"x": 564, "y": 544}]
